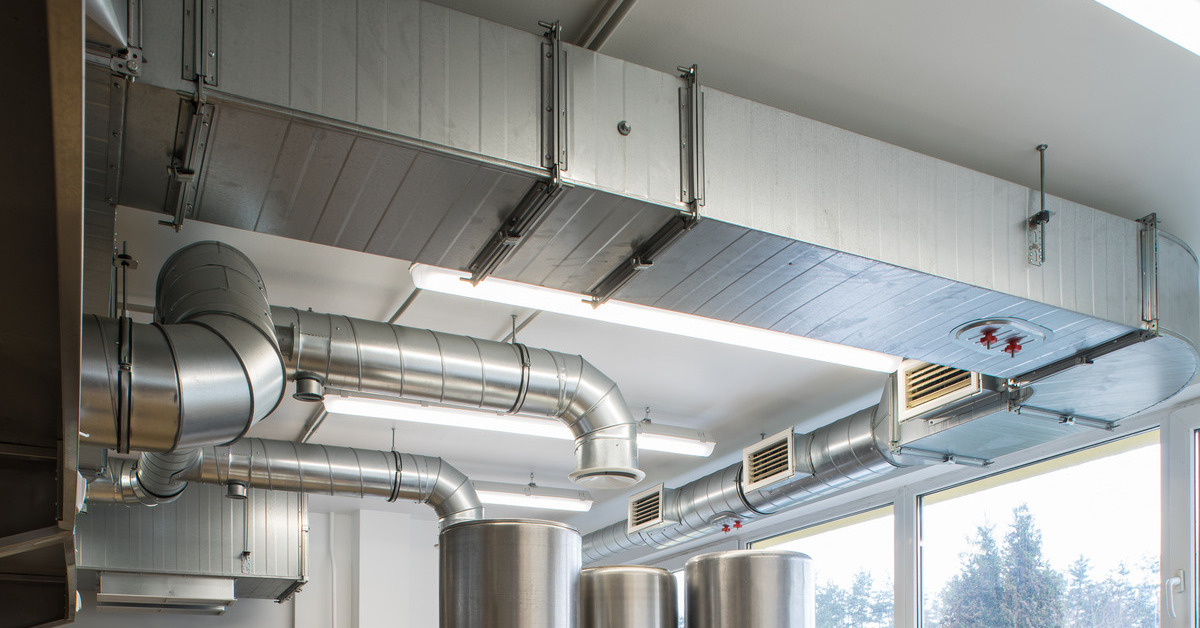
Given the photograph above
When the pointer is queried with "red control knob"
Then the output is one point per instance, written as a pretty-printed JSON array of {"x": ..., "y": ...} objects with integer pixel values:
[
  {"x": 1013, "y": 347},
  {"x": 737, "y": 525},
  {"x": 725, "y": 528},
  {"x": 988, "y": 338}
]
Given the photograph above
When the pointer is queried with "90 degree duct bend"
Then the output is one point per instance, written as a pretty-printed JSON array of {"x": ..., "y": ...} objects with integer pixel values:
[
  {"x": 419, "y": 365},
  {"x": 298, "y": 467},
  {"x": 203, "y": 373}
]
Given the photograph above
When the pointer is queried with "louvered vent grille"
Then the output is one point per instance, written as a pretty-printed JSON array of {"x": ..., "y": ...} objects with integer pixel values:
[
  {"x": 769, "y": 462},
  {"x": 647, "y": 510},
  {"x": 932, "y": 382}
]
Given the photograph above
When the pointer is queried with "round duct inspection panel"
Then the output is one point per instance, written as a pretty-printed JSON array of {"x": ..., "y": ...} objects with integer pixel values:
[{"x": 1001, "y": 336}]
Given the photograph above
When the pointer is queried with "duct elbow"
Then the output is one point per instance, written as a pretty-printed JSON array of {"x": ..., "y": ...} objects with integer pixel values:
[
  {"x": 606, "y": 458},
  {"x": 435, "y": 482}
]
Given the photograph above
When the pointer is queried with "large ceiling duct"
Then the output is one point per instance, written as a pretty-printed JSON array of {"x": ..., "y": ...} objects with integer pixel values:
[
  {"x": 361, "y": 356},
  {"x": 309, "y": 469}
]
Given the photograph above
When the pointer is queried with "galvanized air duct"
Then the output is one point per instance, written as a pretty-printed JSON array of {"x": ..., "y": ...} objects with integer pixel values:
[
  {"x": 205, "y": 372},
  {"x": 848, "y": 452},
  {"x": 349, "y": 354},
  {"x": 307, "y": 468}
]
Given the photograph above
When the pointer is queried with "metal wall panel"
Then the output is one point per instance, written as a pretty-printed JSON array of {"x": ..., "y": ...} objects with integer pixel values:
[
  {"x": 784, "y": 174},
  {"x": 407, "y": 67},
  {"x": 1178, "y": 311},
  {"x": 603, "y": 91},
  {"x": 202, "y": 533}
]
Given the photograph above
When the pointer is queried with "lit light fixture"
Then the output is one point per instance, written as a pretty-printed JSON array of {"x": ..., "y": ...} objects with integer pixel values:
[
  {"x": 1177, "y": 21},
  {"x": 454, "y": 282},
  {"x": 651, "y": 437},
  {"x": 532, "y": 496}
]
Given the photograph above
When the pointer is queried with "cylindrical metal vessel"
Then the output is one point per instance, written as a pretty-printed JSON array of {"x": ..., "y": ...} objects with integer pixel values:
[
  {"x": 750, "y": 589},
  {"x": 627, "y": 597},
  {"x": 510, "y": 573}
]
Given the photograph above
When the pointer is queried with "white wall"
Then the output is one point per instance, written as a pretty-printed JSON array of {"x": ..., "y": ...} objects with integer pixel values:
[{"x": 386, "y": 566}]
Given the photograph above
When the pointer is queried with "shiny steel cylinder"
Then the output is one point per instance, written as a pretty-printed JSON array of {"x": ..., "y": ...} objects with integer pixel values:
[
  {"x": 627, "y": 597},
  {"x": 750, "y": 589},
  {"x": 510, "y": 573}
]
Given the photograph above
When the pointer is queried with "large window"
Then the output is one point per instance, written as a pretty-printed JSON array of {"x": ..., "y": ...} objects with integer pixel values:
[
  {"x": 1073, "y": 542},
  {"x": 853, "y": 561}
]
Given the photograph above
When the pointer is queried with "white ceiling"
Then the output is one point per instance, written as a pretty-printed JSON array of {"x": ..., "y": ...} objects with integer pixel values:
[
  {"x": 974, "y": 82},
  {"x": 732, "y": 393}
]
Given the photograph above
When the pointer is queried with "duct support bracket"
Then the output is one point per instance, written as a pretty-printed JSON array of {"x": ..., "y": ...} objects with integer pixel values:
[
  {"x": 941, "y": 456},
  {"x": 1148, "y": 263},
  {"x": 117, "y": 97},
  {"x": 200, "y": 41},
  {"x": 1064, "y": 418},
  {"x": 642, "y": 258},
  {"x": 554, "y": 102},
  {"x": 691, "y": 141},
  {"x": 196, "y": 117},
  {"x": 1087, "y": 356},
  {"x": 522, "y": 221},
  {"x": 1035, "y": 227}
]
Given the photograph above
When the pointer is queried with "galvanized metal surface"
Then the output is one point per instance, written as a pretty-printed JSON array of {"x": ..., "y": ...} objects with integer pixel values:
[
  {"x": 364, "y": 356},
  {"x": 509, "y": 573},
  {"x": 605, "y": 91},
  {"x": 784, "y": 174},
  {"x": 202, "y": 533},
  {"x": 750, "y": 589},
  {"x": 204, "y": 375},
  {"x": 627, "y": 597},
  {"x": 1178, "y": 310}
]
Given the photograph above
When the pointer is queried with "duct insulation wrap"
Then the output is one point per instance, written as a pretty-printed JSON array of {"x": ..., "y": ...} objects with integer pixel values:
[
  {"x": 304, "y": 468},
  {"x": 509, "y": 573},
  {"x": 420, "y": 365},
  {"x": 627, "y": 597},
  {"x": 750, "y": 589},
  {"x": 203, "y": 374},
  {"x": 848, "y": 452}
]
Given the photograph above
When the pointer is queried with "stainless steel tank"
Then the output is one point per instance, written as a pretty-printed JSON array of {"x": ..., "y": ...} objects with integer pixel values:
[
  {"x": 750, "y": 589},
  {"x": 627, "y": 597},
  {"x": 510, "y": 573}
]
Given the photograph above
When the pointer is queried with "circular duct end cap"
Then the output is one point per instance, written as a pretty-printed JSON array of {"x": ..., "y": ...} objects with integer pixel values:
[
  {"x": 309, "y": 389},
  {"x": 235, "y": 490},
  {"x": 607, "y": 478}
]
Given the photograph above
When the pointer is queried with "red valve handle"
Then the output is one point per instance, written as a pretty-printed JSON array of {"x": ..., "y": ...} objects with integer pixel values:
[
  {"x": 737, "y": 525},
  {"x": 988, "y": 338},
  {"x": 725, "y": 527},
  {"x": 1013, "y": 347}
]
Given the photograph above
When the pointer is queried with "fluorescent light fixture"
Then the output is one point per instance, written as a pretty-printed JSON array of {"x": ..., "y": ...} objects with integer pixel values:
[
  {"x": 496, "y": 290},
  {"x": 1175, "y": 20},
  {"x": 531, "y": 496},
  {"x": 651, "y": 437}
]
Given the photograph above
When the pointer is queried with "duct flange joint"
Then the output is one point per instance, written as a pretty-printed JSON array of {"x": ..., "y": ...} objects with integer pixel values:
[
  {"x": 523, "y": 220},
  {"x": 1148, "y": 265},
  {"x": 691, "y": 140}
]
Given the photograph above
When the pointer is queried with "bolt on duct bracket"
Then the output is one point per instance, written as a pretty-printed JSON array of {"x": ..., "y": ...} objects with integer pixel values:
[
  {"x": 642, "y": 258},
  {"x": 1036, "y": 224},
  {"x": 691, "y": 140},
  {"x": 1148, "y": 265},
  {"x": 554, "y": 102},
  {"x": 200, "y": 41},
  {"x": 522, "y": 221},
  {"x": 194, "y": 123},
  {"x": 1064, "y": 418},
  {"x": 941, "y": 456}
]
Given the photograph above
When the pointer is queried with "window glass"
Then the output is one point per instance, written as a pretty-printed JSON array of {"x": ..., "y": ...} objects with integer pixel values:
[
  {"x": 1071, "y": 542},
  {"x": 853, "y": 561}
]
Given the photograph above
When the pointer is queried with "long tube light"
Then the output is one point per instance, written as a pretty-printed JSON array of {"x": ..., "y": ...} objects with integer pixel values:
[
  {"x": 531, "y": 496},
  {"x": 651, "y": 437},
  {"x": 454, "y": 282}
]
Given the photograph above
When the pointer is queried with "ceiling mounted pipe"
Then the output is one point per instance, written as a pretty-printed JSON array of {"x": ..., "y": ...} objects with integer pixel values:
[
  {"x": 301, "y": 468},
  {"x": 204, "y": 373},
  {"x": 361, "y": 356}
]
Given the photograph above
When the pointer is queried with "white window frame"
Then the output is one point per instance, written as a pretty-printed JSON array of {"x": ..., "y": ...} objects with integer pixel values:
[{"x": 1179, "y": 539}]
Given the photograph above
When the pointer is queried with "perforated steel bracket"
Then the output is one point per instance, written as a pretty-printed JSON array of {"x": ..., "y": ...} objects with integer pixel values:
[{"x": 691, "y": 140}]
